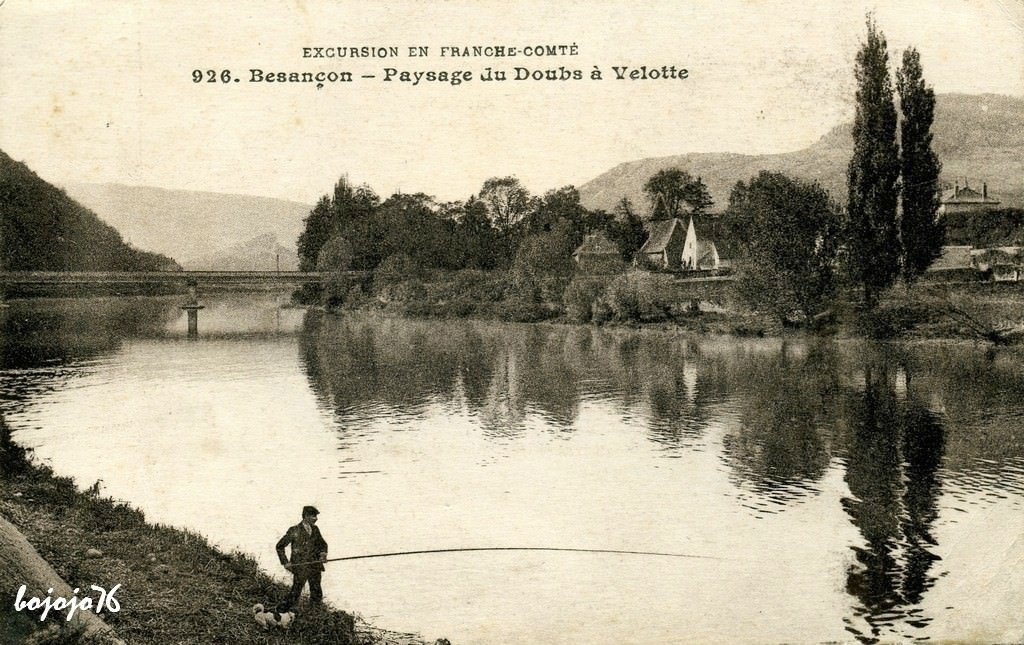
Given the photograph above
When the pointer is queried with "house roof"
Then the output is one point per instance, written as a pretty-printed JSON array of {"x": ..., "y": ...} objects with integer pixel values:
[
  {"x": 659, "y": 234},
  {"x": 596, "y": 244},
  {"x": 966, "y": 195}
]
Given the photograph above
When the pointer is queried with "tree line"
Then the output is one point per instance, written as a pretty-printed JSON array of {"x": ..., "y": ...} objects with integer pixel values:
[
  {"x": 352, "y": 228},
  {"x": 795, "y": 246}
]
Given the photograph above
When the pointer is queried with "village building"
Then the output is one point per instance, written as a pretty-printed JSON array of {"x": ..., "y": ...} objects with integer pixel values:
[
  {"x": 598, "y": 254},
  {"x": 698, "y": 254},
  {"x": 966, "y": 199},
  {"x": 670, "y": 246},
  {"x": 664, "y": 245}
]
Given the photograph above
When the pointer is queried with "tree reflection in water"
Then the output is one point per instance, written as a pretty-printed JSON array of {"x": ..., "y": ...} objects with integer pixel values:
[
  {"x": 780, "y": 445},
  {"x": 894, "y": 453},
  {"x": 787, "y": 413}
]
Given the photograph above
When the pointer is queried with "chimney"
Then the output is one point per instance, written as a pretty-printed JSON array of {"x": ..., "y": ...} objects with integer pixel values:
[
  {"x": 984, "y": 190},
  {"x": 956, "y": 188}
]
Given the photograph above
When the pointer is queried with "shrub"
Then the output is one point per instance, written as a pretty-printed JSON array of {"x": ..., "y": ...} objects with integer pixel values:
[
  {"x": 480, "y": 286},
  {"x": 520, "y": 310},
  {"x": 889, "y": 322},
  {"x": 543, "y": 264},
  {"x": 580, "y": 297},
  {"x": 335, "y": 290},
  {"x": 406, "y": 291},
  {"x": 335, "y": 255},
  {"x": 396, "y": 268},
  {"x": 640, "y": 296}
]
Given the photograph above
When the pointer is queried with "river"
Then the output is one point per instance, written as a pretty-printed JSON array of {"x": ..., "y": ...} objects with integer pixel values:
[{"x": 835, "y": 491}]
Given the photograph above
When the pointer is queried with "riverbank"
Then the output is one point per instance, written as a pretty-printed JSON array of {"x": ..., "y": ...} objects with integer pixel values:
[
  {"x": 983, "y": 311},
  {"x": 174, "y": 586}
]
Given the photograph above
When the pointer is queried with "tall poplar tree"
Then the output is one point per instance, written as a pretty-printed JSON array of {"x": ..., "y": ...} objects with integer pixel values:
[
  {"x": 873, "y": 245},
  {"x": 921, "y": 232}
]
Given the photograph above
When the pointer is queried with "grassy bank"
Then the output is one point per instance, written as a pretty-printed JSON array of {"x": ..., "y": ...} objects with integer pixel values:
[{"x": 175, "y": 586}]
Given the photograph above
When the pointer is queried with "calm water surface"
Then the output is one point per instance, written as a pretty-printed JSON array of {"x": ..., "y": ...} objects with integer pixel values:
[{"x": 843, "y": 492}]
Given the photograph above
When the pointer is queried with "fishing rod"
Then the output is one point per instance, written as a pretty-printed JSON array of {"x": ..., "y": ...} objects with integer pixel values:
[{"x": 509, "y": 548}]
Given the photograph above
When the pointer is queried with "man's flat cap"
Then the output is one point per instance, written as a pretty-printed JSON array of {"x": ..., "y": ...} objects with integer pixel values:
[{"x": 310, "y": 510}]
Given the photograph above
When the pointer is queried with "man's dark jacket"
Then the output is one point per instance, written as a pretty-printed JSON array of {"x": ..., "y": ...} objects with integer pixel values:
[{"x": 306, "y": 547}]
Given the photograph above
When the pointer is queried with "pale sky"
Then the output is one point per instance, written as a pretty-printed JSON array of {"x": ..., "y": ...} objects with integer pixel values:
[{"x": 102, "y": 91}]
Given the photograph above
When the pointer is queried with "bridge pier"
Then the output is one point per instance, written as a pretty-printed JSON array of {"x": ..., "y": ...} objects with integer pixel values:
[{"x": 192, "y": 306}]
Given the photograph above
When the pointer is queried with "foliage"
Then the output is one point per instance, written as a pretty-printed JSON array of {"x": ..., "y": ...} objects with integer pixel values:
[
  {"x": 335, "y": 255},
  {"x": 627, "y": 230},
  {"x": 921, "y": 231},
  {"x": 334, "y": 291},
  {"x": 507, "y": 202},
  {"x": 580, "y": 299},
  {"x": 564, "y": 204},
  {"x": 639, "y": 296},
  {"x": 318, "y": 226},
  {"x": 790, "y": 245},
  {"x": 996, "y": 227},
  {"x": 517, "y": 309},
  {"x": 478, "y": 286},
  {"x": 873, "y": 249},
  {"x": 42, "y": 229},
  {"x": 670, "y": 189},
  {"x": 344, "y": 213},
  {"x": 475, "y": 239},
  {"x": 543, "y": 263},
  {"x": 396, "y": 268},
  {"x": 411, "y": 290},
  {"x": 481, "y": 233}
]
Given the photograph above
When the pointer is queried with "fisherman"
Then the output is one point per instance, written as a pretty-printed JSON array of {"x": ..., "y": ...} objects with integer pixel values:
[{"x": 309, "y": 550}]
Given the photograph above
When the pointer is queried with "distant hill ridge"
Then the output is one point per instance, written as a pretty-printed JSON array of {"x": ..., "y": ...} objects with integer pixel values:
[
  {"x": 980, "y": 137},
  {"x": 261, "y": 253},
  {"x": 195, "y": 227},
  {"x": 43, "y": 229}
]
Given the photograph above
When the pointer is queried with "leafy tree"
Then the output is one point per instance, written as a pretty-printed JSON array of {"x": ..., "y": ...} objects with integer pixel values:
[
  {"x": 476, "y": 237},
  {"x": 873, "y": 246},
  {"x": 317, "y": 229},
  {"x": 560, "y": 204},
  {"x": 669, "y": 190},
  {"x": 789, "y": 249},
  {"x": 564, "y": 204},
  {"x": 335, "y": 255},
  {"x": 921, "y": 232},
  {"x": 407, "y": 223},
  {"x": 627, "y": 230},
  {"x": 395, "y": 269},
  {"x": 344, "y": 213},
  {"x": 543, "y": 263},
  {"x": 508, "y": 202}
]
